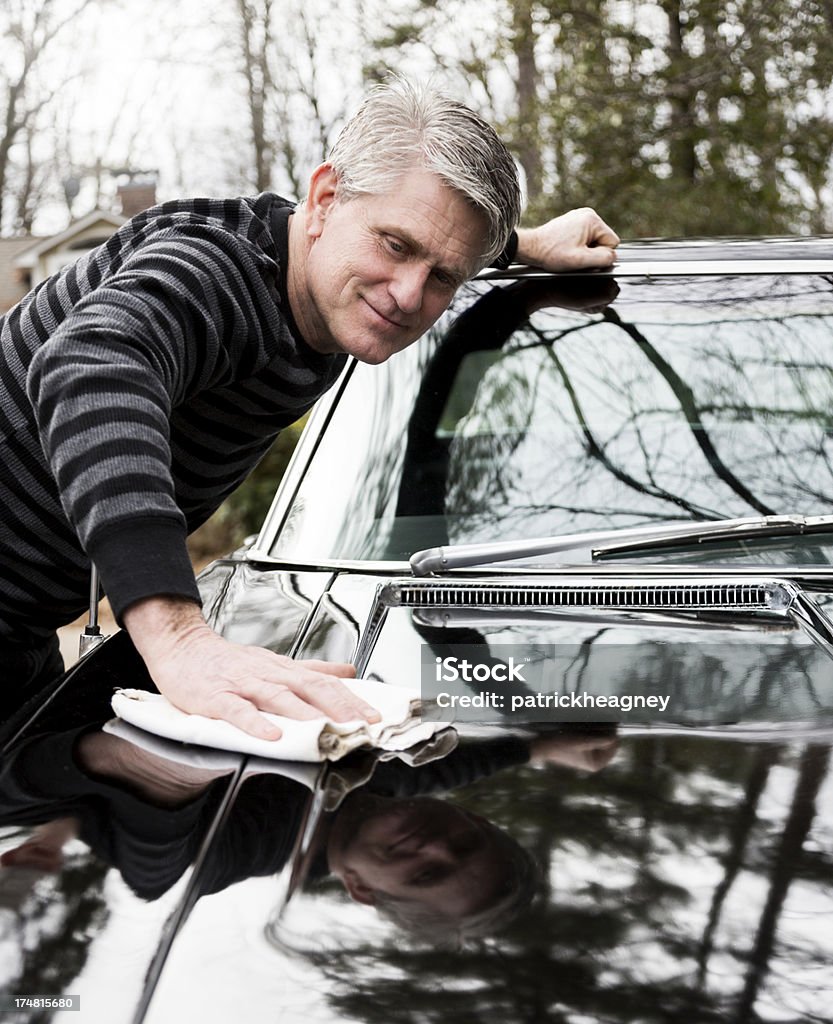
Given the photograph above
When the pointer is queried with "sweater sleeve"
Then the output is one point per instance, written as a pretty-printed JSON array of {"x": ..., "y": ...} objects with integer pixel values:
[
  {"x": 181, "y": 314},
  {"x": 465, "y": 765}
]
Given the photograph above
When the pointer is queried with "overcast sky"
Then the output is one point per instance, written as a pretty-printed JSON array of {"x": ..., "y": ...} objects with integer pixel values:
[{"x": 155, "y": 86}]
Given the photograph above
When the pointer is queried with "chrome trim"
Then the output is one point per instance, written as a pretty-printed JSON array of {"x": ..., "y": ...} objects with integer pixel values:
[
  {"x": 678, "y": 268},
  {"x": 257, "y": 556},
  {"x": 690, "y": 594},
  {"x": 499, "y": 618},
  {"x": 772, "y": 596},
  {"x": 370, "y": 633},
  {"x": 810, "y": 617},
  {"x": 701, "y": 268},
  {"x": 296, "y": 468},
  {"x": 92, "y": 635},
  {"x": 818, "y": 577}
]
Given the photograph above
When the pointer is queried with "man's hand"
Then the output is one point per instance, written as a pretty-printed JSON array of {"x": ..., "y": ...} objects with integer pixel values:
[
  {"x": 578, "y": 240},
  {"x": 587, "y": 753},
  {"x": 201, "y": 673}
]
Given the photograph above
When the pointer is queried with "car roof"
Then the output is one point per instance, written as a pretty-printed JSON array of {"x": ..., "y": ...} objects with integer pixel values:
[{"x": 685, "y": 256}]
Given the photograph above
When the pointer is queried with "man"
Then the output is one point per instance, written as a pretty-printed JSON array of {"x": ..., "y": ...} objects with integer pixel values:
[{"x": 140, "y": 386}]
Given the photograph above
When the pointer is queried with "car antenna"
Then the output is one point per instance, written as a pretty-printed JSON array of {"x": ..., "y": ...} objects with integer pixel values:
[{"x": 92, "y": 635}]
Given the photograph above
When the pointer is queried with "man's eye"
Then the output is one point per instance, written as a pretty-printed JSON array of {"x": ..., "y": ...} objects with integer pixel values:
[
  {"x": 395, "y": 245},
  {"x": 431, "y": 875},
  {"x": 424, "y": 877}
]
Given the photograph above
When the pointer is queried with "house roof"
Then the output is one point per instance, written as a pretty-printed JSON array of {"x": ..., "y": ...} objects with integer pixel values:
[
  {"x": 12, "y": 287},
  {"x": 40, "y": 246}
]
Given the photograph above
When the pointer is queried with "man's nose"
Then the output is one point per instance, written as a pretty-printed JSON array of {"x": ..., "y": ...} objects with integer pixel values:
[{"x": 407, "y": 286}]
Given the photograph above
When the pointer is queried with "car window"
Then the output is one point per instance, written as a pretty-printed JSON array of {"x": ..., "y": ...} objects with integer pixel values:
[{"x": 554, "y": 406}]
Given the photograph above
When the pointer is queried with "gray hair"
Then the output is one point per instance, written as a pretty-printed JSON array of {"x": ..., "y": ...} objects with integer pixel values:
[{"x": 401, "y": 125}]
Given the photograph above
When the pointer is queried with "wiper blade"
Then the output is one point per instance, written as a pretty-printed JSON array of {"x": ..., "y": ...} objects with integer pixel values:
[
  {"x": 721, "y": 529},
  {"x": 460, "y": 556}
]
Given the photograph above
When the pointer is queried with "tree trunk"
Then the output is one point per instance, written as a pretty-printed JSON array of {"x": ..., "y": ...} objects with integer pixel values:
[
  {"x": 527, "y": 136},
  {"x": 682, "y": 155},
  {"x": 812, "y": 773}
]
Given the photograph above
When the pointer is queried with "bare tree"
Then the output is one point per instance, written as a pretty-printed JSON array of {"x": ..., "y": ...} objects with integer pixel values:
[
  {"x": 28, "y": 29},
  {"x": 295, "y": 90},
  {"x": 255, "y": 41}
]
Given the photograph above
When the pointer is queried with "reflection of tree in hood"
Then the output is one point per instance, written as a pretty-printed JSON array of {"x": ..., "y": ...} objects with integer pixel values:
[{"x": 618, "y": 937}]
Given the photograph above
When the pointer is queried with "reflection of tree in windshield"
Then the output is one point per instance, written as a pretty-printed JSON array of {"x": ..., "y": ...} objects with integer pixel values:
[
  {"x": 695, "y": 406},
  {"x": 536, "y": 413}
]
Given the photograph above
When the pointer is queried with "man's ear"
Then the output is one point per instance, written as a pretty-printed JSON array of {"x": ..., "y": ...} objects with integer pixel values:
[
  {"x": 357, "y": 889},
  {"x": 320, "y": 197}
]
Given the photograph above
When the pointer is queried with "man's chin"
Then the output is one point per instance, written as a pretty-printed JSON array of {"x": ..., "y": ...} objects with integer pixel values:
[
  {"x": 372, "y": 351},
  {"x": 373, "y": 357}
]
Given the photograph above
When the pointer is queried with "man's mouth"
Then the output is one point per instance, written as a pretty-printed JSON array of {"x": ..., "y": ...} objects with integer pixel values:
[{"x": 382, "y": 316}]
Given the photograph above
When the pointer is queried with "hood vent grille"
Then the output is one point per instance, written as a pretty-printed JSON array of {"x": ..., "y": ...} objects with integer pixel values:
[{"x": 748, "y": 595}]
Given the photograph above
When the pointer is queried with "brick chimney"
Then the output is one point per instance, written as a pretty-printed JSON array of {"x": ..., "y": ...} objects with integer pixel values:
[{"x": 136, "y": 196}]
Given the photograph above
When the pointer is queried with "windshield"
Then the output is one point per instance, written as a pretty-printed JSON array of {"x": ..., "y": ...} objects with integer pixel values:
[{"x": 545, "y": 407}]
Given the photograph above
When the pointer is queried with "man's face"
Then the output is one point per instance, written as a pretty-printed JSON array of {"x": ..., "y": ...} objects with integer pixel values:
[
  {"x": 423, "y": 851},
  {"x": 380, "y": 269}
]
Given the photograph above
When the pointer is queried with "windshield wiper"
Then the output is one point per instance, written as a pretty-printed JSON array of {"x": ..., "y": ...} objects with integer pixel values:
[
  {"x": 637, "y": 538},
  {"x": 722, "y": 529}
]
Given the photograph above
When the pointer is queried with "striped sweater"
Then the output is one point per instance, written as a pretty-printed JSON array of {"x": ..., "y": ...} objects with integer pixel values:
[{"x": 138, "y": 387}]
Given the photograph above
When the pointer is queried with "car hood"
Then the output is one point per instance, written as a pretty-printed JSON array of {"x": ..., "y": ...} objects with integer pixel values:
[
  {"x": 741, "y": 658},
  {"x": 657, "y": 863}
]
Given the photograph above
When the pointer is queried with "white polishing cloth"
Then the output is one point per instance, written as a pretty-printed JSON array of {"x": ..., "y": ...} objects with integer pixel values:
[{"x": 317, "y": 739}]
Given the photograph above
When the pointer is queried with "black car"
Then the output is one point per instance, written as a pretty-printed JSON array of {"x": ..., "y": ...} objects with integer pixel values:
[{"x": 588, "y": 517}]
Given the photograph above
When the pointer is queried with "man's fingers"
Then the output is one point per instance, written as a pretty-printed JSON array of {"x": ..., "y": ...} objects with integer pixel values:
[
  {"x": 240, "y": 712},
  {"x": 333, "y": 698},
  {"x": 598, "y": 232},
  {"x": 311, "y": 695},
  {"x": 218, "y": 679},
  {"x": 329, "y": 693},
  {"x": 278, "y": 700},
  {"x": 598, "y": 256},
  {"x": 605, "y": 235},
  {"x": 329, "y": 668}
]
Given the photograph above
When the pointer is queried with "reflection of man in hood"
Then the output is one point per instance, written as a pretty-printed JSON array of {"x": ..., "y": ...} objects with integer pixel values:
[
  {"x": 419, "y": 860},
  {"x": 428, "y": 864}
]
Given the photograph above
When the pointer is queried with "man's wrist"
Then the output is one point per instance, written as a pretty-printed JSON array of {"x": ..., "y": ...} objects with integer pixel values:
[
  {"x": 525, "y": 251},
  {"x": 154, "y": 622}
]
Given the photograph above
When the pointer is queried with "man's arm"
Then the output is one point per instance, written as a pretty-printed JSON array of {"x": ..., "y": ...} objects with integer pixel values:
[
  {"x": 180, "y": 315},
  {"x": 202, "y": 673},
  {"x": 578, "y": 240}
]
